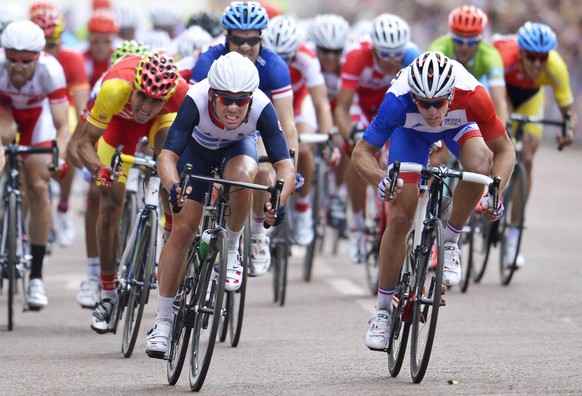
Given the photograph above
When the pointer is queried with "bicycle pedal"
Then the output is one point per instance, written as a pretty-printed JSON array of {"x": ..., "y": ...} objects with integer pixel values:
[{"x": 157, "y": 355}]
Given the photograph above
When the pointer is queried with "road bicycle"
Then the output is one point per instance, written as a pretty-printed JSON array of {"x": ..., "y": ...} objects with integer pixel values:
[
  {"x": 136, "y": 270},
  {"x": 198, "y": 306},
  {"x": 14, "y": 250},
  {"x": 418, "y": 295},
  {"x": 489, "y": 235}
]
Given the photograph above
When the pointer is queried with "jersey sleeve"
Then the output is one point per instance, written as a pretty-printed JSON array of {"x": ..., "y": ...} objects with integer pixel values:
[
  {"x": 386, "y": 121},
  {"x": 272, "y": 133},
  {"x": 110, "y": 100},
  {"x": 351, "y": 69},
  {"x": 559, "y": 79},
  {"x": 480, "y": 109},
  {"x": 186, "y": 120}
]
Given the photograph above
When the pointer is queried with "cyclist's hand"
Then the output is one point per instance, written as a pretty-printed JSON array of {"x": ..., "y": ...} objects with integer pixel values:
[
  {"x": 384, "y": 188},
  {"x": 175, "y": 197},
  {"x": 103, "y": 175},
  {"x": 60, "y": 172},
  {"x": 299, "y": 182},
  {"x": 486, "y": 206},
  {"x": 564, "y": 141},
  {"x": 272, "y": 218}
]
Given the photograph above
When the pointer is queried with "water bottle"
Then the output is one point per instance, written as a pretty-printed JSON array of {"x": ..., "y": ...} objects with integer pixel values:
[{"x": 203, "y": 246}]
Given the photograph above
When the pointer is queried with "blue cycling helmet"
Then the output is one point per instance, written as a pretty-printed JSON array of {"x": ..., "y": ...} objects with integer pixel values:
[
  {"x": 244, "y": 16},
  {"x": 536, "y": 37}
]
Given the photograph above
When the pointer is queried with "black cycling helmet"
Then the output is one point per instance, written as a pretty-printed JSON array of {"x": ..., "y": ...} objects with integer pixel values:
[{"x": 207, "y": 21}]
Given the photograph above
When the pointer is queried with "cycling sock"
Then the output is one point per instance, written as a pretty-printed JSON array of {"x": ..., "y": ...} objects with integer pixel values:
[
  {"x": 357, "y": 222},
  {"x": 165, "y": 305},
  {"x": 37, "y": 252},
  {"x": 452, "y": 233},
  {"x": 93, "y": 268},
  {"x": 257, "y": 227},
  {"x": 108, "y": 290},
  {"x": 232, "y": 239},
  {"x": 384, "y": 299},
  {"x": 167, "y": 222},
  {"x": 302, "y": 203},
  {"x": 63, "y": 205}
]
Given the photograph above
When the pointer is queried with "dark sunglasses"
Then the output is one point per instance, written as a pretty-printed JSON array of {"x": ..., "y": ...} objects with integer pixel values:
[
  {"x": 239, "y": 41},
  {"x": 534, "y": 56},
  {"x": 386, "y": 55},
  {"x": 24, "y": 62},
  {"x": 327, "y": 51},
  {"x": 427, "y": 104},
  {"x": 229, "y": 100},
  {"x": 468, "y": 41}
]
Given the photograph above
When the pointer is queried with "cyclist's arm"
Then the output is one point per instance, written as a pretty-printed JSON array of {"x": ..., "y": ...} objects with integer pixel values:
[
  {"x": 503, "y": 158},
  {"x": 342, "y": 117},
  {"x": 72, "y": 153},
  {"x": 88, "y": 138},
  {"x": 2, "y": 158},
  {"x": 365, "y": 163},
  {"x": 168, "y": 168},
  {"x": 499, "y": 98},
  {"x": 284, "y": 107},
  {"x": 60, "y": 113},
  {"x": 322, "y": 108}
]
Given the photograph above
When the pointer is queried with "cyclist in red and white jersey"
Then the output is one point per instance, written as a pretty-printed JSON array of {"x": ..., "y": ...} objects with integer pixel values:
[
  {"x": 103, "y": 30},
  {"x": 310, "y": 106},
  {"x": 33, "y": 101},
  {"x": 367, "y": 71}
]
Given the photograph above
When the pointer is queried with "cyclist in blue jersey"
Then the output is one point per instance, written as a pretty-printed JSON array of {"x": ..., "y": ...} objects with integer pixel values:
[
  {"x": 244, "y": 23},
  {"x": 216, "y": 126}
]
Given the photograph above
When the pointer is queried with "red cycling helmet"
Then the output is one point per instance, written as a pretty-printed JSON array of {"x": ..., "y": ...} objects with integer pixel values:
[
  {"x": 41, "y": 7},
  {"x": 51, "y": 23},
  {"x": 103, "y": 21},
  {"x": 156, "y": 76},
  {"x": 467, "y": 20}
]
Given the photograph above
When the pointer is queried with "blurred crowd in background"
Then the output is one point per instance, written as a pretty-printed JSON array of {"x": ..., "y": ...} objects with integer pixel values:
[{"x": 427, "y": 18}]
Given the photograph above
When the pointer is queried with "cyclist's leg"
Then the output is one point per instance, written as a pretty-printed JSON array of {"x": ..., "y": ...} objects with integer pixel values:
[
  {"x": 157, "y": 137},
  {"x": 8, "y": 127}
]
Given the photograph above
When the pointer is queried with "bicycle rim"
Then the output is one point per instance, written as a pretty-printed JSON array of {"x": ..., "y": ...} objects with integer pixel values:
[
  {"x": 427, "y": 300},
  {"x": 482, "y": 239},
  {"x": 372, "y": 267},
  {"x": 209, "y": 296},
  {"x": 139, "y": 286},
  {"x": 512, "y": 220}
]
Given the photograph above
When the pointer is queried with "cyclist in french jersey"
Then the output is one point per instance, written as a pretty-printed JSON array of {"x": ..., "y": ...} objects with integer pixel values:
[
  {"x": 311, "y": 108},
  {"x": 367, "y": 71},
  {"x": 52, "y": 22},
  {"x": 433, "y": 99},
  {"x": 244, "y": 23},
  {"x": 139, "y": 97},
  {"x": 33, "y": 102},
  {"x": 215, "y": 127},
  {"x": 531, "y": 63}
]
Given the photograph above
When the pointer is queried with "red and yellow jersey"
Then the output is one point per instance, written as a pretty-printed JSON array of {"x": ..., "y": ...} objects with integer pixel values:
[
  {"x": 114, "y": 96},
  {"x": 75, "y": 73},
  {"x": 520, "y": 88}
]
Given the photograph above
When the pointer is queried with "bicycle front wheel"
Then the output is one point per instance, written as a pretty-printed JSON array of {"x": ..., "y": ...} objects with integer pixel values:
[
  {"x": 427, "y": 299},
  {"x": 10, "y": 252},
  {"x": 209, "y": 296},
  {"x": 512, "y": 223},
  {"x": 281, "y": 253},
  {"x": 466, "y": 242},
  {"x": 236, "y": 306},
  {"x": 483, "y": 235},
  {"x": 139, "y": 278}
]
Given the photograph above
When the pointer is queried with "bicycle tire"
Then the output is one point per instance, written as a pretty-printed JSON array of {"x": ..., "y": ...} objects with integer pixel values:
[
  {"x": 400, "y": 326},
  {"x": 428, "y": 292},
  {"x": 142, "y": 263},
  {"x": 318, "y": 226},
  {"x": 237, "y": 306},
  {"x": 128, "y": 219},
  {"x": 483, "y": 237},
  {"x": 182, "y": 323},
  {"x": 12, "y": 256},
  {"x": 517, "y": 188},
  {"x": 376, "y": 220},
  {"x": 281, "y": 254},
  {"x": 209, "y": 296},
  {"x": 466, "y": 242}
]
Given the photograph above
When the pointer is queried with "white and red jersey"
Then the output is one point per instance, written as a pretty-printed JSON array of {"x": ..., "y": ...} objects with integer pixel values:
[{"x": 30, "y": 105}]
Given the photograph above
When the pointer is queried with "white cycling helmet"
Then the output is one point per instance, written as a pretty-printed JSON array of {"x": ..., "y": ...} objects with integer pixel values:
[
  {"x": 128, "y": 16},
  {"x": 23, "y": 36},
  {"x": 390, "y": 32},
  {"x": 165, "y": 16},
  {"x": 431, "y": 75},
  {"x": 282, "y": 35},
  {"x": 195, "y": 37},
  {"x": 233, "y": 72},
  {"x": 329, "y": 31}
]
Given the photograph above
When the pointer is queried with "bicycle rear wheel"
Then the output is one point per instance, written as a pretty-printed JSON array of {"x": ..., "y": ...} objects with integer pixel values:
[
  {"x": 139, "y": 278},
  {"x": 512, "y": 222},
  {"x": 374, "y": 223},
  {"x": 427, "y": 300},
  {"x": 281, "y": 255},
  {"x": 483, "y": 237},
  {"x": 318, "y": 226},
  {"x": 183, "y": 321},
  {"x": 209, "y": 296}
]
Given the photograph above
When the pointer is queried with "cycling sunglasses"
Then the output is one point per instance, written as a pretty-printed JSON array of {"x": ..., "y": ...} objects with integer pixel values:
[
  {"x": 468, "y": 41},
  {"x": 327, "y": 51},
  {"x": 24, "y": 62},
  {"x": 534, "y": 56},
  {"x": 387, "y": 55},
  {"x": 229, "y": 100},
  {"x": 427, "y": 104},
  {"x": 239, "y": 40}
]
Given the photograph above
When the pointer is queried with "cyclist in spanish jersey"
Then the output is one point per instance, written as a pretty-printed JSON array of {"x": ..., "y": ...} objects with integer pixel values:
[
  {"x": 433, "y": 99},
  {"x": 329, "y": 34},
  {"x": 531, "y": 62},
  {"x": 139, "y": 97},
  {"x": 215, "y": 127},
  {"x": 244, "y": 23},
  {"x": 367, "y": 71},
  {"x": 311, "y": 108},
  {"x": 52, "y": 22},
  {"x": 33, "y": 102}
]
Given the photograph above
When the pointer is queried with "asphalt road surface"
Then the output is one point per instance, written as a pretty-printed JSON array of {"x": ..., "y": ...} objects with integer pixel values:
[{"x": 522, "y": 339}]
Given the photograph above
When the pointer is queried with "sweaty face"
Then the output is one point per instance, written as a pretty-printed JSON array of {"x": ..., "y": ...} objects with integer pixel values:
[
  {"x": 20, "y": 66},
  {"x": 230, "y": 108},
  {"x": 245, "y": 42},
  {"x": 144, "y": 107}
]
